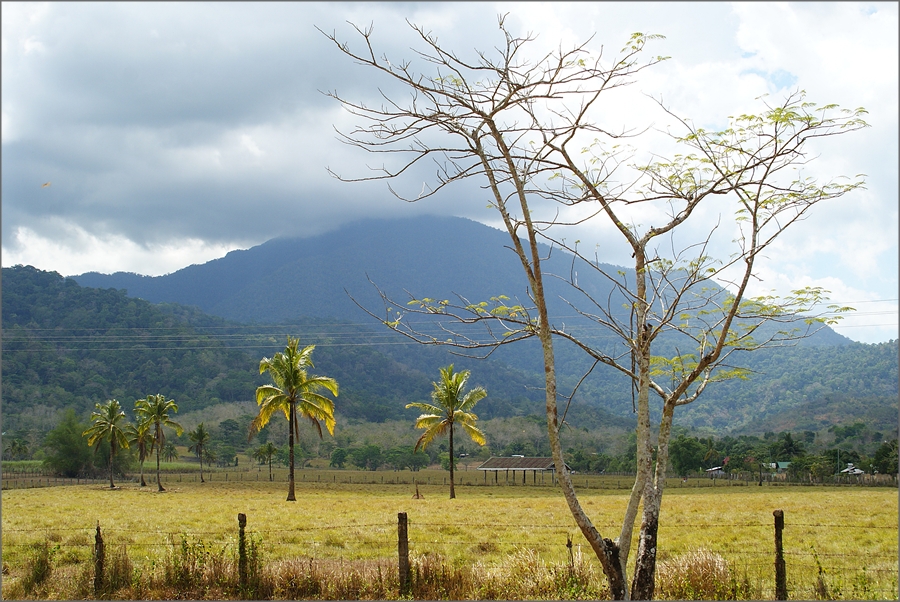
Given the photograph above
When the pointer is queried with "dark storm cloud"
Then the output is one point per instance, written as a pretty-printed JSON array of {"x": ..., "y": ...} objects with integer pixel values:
[{"x": 146, "y": 119}]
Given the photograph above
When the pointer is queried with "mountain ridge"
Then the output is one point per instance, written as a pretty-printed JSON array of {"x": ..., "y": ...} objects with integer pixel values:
[{"x": 327, "y": 275}]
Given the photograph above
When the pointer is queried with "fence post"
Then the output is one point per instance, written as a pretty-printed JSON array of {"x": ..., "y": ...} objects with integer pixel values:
[
  {"x": 99, "y": 557},
  {"x": 242, "y": 552},
  {"x": 780, "y": 575},
  {"x": 403, "y": 553}
]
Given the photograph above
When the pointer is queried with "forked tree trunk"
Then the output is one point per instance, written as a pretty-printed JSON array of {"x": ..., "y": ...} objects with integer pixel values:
[{"x": 643, "y": 586}]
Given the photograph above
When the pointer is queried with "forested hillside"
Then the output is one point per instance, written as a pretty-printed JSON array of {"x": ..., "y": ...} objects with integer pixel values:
[
  {"x": 68, "y": 346},
  {"x": 439, "y": 257}
]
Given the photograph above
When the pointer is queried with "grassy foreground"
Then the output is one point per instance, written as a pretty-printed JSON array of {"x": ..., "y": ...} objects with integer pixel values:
[{"x": 340, "y": 541}]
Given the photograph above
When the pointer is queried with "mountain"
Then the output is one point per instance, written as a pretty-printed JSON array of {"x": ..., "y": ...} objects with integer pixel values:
[
  {"x": 312, "y": 279},
  {"x": 436, "y": 257},
  {"x": 68, "y": 346}
]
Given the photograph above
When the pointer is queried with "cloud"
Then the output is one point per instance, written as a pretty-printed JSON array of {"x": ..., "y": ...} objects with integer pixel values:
[
  {"x": 194, "y": 127},
  {"x": 108, "y": 254}
]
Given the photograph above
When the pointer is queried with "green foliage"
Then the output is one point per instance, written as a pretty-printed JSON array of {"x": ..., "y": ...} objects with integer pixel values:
[
  {"x": 154, "y": 411},
  {"x": 400, "y": 458},
  {"x": 686, "y": 455},
  {"x": 108, "y": 425},
  {"x": 38, "y": 567},
  {"x": 199, "y": 441},
  {"x": 450, "y": 407},
  {"x": 886, "y": 459},
  {"x": 16, "y": 449},
  {"x": 66, "y": 346},
  {"x": 338, "y": 457},
  {"x": 68, "y": 453},
  {"x": 368, "y": 457}
]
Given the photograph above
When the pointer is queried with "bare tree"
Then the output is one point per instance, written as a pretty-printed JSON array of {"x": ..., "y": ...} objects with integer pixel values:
[{"x": 527, "y": 131}]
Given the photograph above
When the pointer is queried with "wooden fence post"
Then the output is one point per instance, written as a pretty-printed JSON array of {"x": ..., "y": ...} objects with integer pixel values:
[
  {"x": 780, "y": 574},
  {"x": 403, "y": 553},
  {"x": 242, "y": 552},
  {"x": 99, "y": 557}
]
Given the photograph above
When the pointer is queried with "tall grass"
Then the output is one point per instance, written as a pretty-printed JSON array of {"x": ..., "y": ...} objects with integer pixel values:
[{"x": 340, "y": 541}]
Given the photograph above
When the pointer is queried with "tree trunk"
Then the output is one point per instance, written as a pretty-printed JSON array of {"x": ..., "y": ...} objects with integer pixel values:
[
  {"x": 112, "y": 450},
  {"x": 606, "y": 550},
  {"x": 143, "y": 483},
  {"x": 200, "y": 452},
  {"x": 270, "y": 469},
  {"x": 291, "y": 422},
  {"x": 643, "y": 586},
  {"x": 158, "y": 479},
  {"x": 452, "y": 490}
]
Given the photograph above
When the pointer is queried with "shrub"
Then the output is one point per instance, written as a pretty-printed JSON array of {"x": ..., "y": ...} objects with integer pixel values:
[
  {"x": 696, "y": 575},
  {"x": 38, "y": 567}
]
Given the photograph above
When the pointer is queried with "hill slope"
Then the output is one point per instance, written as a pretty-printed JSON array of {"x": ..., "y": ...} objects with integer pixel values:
[
  {"x": 68, "y": 346},
  {"x": 439, "y": 257}
]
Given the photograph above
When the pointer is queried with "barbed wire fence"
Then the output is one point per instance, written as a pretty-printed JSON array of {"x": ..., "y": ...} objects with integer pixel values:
[
  {"x": 784, "y": 566},
  {"x": 34, "y": 478}
]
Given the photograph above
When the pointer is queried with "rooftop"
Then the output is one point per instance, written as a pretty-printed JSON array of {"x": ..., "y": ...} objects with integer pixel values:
[{"x": 518, "y": 463}]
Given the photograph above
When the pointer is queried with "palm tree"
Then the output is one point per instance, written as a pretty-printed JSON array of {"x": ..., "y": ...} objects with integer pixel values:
[
  {"x": 169, "y": 452},
  {"x": 788, "y": 448},
  {"x": 711, "y": 451},
  {"x": 200, "y": 437},
  {"x": 155, "y": 411},
  {"x": 107, "y": 419},
  {"x": 140, "y": 437},
  {"x": 16, "y": 450},
  {"x": 211, "y": 457},
  {"x": 265, "y": 453},
  {"x": 450, "y": 407},
  {"x": 294, "y": 392}
]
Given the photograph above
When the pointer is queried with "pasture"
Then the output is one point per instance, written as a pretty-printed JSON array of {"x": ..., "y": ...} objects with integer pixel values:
[{"x": 838, "y": 541}]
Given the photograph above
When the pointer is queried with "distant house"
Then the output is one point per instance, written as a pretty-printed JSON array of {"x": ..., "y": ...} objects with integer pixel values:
[
  {"x": 852, "y": 470},
  {"x": 779, "y": 467},
  {"x": 715, "y": 472},
  {"x": 516, "y": 463}
]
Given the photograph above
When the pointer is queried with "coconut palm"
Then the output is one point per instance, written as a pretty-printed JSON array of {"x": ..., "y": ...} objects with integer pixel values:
[
  {"x": 200, "y": 438},
  {"x": 108, "y": 424},
  {"x": 155, "y": 411},
  {"x": 265, "y": 453},
  {"x": 140, "y": 437},
  {"x": 170, "y": 452},
  {"x": 450, "y": 407},
  {"x": 711, "y": 452},
  {"x": 211, "y": 457},
  {"x": 16, "y": 450},
  {"x": 294, "y": 392}
]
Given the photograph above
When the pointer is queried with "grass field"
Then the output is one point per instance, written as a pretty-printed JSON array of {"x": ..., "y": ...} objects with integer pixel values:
[{"x": 839, "y": 542}]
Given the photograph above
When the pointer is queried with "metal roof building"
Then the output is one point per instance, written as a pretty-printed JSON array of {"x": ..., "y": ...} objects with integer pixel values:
[{"x": 515, "y": 463}]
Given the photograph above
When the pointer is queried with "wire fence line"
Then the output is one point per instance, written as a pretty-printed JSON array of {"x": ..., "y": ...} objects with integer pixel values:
[
  {"x": 850, "y": 573},
  {"x": 464, "y": 478},
  {"x": 427, "y": 537}
]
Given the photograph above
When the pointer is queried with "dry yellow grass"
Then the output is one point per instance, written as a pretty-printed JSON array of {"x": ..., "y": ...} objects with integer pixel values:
[{"x": 841, "y": 528}]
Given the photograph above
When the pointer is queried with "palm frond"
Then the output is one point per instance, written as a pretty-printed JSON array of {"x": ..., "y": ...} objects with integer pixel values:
[
  {"x": 474, "y": 433},
  {"x": 427, "y": 407}
]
